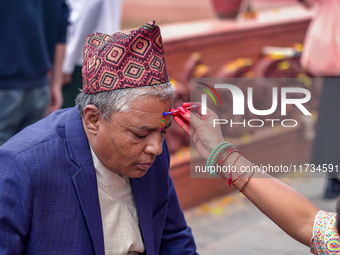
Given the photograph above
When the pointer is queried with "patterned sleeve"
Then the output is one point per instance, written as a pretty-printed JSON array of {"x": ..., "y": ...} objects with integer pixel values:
[{"x": 325, "y": 236}]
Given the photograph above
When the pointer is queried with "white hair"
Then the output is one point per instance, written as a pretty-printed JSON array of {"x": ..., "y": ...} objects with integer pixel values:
[{"x": 121, "y": 100}]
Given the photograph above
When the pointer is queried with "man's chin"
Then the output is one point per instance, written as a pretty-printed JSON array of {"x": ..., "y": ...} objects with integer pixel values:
[{"x": 137, "y": 173}]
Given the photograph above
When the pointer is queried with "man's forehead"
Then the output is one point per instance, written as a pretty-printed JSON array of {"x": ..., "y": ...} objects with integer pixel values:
[
  {"x": 143, "y": 117},
  {"x": 152, "y": 106},
  {"x": 145, "y": 114},
  {"x": 149, "y": 127},
  {"x": 158, "y": 110}
]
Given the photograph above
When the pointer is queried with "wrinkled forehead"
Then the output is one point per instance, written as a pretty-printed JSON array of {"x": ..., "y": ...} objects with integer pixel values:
[
  {"x": 145, "y": 111},
  {"x": 152, "y": 105}
]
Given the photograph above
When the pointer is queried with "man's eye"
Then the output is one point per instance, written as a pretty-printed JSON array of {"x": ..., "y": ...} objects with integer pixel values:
[{"x": 140, "y": 136}]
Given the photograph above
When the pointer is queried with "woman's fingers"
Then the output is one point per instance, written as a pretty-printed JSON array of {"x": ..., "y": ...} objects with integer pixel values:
[
  {"x": 190, "y": 116},
  {"x": 199, "y": 127},
  {"x": 187, "y": 104},
  {"x": 193, "y": 109},
  {"x": 186, "y": 120},
  {"x": 197, "y": 111},
  {"x": 182, "y": 123}
]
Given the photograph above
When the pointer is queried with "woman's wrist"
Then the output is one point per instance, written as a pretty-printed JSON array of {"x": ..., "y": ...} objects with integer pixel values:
[
  {"x": 241, "y": 171},
  {"x": 210, "y": 147},
  {"x": 226, "y": 161},
  {"x": 232, "y": 164}
]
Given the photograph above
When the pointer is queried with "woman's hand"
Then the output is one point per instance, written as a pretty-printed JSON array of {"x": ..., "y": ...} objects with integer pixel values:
[
  {"x": 291, "y": 211},
  {"x": 200, "y": 127}
]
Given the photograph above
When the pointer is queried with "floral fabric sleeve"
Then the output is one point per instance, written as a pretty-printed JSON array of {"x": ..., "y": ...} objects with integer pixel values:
[{"x": 325, "y": 237}]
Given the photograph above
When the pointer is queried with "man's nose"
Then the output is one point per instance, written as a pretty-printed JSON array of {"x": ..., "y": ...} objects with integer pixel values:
[{"x": 154, "y": 145}]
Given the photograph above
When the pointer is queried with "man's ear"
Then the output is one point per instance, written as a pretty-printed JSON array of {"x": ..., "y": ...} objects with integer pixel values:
[{"x": 91, "y": 118}]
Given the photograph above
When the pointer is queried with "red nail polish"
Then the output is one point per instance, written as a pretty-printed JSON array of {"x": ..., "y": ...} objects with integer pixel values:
[
  {"x": 175, "y": 113},
  {"x": 183, "y": 110}
]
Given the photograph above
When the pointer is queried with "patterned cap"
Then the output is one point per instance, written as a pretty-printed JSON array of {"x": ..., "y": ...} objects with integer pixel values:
[{"x": 124, "y": 60}]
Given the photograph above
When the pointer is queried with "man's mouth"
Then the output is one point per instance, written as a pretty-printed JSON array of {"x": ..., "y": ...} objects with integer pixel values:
[{"x": 144, "y": 166}]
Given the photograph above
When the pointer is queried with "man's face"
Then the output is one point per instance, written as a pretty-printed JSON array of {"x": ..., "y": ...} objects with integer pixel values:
[{"x": 130, "y": 142}]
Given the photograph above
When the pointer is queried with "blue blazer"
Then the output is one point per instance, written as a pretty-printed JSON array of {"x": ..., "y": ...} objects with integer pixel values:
[{"x": 49, "y": 198}]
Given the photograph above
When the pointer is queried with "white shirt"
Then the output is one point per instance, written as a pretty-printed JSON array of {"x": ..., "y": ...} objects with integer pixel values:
[
  {"x": 119, "y": 213},
  {"x": 87, "y": 17}
]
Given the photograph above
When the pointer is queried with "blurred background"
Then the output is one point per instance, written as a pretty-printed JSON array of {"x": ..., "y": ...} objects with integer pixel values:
[{"x": 171, "y": 11}]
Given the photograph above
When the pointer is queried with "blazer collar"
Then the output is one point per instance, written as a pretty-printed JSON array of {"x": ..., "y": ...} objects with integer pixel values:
[
  {"x": 76, "y": 139},
  {"x": 84, "y": 180}
]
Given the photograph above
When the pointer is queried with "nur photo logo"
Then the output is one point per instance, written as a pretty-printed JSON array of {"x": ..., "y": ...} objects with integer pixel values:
[
  {"x": 204, "y": 97},
  {"x": 242, "y": 102}
]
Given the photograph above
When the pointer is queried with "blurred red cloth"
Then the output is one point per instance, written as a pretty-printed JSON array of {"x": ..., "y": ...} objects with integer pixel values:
[{"x": 321, "y": 54}]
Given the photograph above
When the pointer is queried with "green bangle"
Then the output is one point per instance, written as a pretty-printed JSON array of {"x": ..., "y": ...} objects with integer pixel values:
[
  {"x": 215, "y": 152},
  {"x": 220, "y": 148}
]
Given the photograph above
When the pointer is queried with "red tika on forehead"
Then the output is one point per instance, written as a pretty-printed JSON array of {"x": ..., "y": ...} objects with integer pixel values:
[{"x": 124, "y": 60}]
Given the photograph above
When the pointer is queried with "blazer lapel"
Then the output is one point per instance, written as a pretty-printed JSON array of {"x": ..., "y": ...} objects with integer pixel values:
[
  {"x": 85, "y": 183},
  {"x": 141, "y": 191},
  {"x": 84, "y": 180}
]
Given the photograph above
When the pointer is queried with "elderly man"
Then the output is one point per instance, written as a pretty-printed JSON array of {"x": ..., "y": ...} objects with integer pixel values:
[{"x": 94, "y": 179}]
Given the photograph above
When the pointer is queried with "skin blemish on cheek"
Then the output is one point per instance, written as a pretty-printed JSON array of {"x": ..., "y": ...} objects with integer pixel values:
[{"x": 120, "y": 125}]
